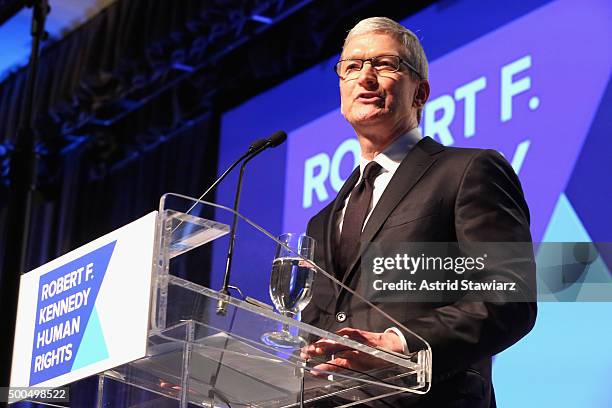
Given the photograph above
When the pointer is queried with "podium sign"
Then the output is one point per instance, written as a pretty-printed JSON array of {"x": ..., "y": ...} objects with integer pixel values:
[{"x": 86, "y": 311}]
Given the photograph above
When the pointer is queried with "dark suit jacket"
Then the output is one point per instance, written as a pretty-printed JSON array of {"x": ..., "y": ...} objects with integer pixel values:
[{"x": 438, "y": 194}]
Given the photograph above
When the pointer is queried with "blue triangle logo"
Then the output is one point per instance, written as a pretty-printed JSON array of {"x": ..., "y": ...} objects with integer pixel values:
[
  {"x": 565, "y": 225},
  {"x": 93, "y": 347}
]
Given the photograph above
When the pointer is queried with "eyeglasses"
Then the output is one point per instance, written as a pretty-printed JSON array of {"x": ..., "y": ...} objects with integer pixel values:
[{"x": 349, "y": 69}]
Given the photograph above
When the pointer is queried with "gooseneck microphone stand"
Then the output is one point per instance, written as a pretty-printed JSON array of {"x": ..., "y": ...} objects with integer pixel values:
[
  {"x": 221, "y": 304},
  {"x": 273, "y": 141},
  {"x": 23, "y": 184}
]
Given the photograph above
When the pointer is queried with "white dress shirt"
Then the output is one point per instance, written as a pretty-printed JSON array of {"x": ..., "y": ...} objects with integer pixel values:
[{"x": 389, "y": 159}]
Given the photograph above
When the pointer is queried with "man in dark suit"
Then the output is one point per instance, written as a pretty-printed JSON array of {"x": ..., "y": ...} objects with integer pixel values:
[{"x": 412, "y": 189}]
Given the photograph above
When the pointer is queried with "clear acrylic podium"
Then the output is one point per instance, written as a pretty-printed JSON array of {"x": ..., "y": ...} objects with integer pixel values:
[{"x": 196, "y": 357}]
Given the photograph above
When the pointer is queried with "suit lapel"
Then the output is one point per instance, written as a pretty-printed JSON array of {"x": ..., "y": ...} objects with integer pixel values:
[
  {"x": 330, "y": 223},
  {"x": 410, "y": 171}
]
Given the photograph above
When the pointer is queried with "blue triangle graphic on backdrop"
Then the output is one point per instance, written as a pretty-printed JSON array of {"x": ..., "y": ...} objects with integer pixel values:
[
  {"x": 564, "y": 225},
  {"x": 93, "y": 347}
]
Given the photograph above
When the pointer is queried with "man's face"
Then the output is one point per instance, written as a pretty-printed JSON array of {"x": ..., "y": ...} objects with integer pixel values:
[{"x": 378, "y": 98}]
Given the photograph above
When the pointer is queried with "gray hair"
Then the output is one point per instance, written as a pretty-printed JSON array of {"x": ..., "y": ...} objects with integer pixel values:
[{"x": 413, "y": 51}]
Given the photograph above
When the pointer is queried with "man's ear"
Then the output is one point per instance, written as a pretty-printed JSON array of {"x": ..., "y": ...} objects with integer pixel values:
[{"x": 422, "y": 94}]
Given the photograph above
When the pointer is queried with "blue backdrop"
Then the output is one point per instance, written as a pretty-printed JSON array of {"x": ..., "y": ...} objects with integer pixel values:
[{"x": 530, "y": 79}]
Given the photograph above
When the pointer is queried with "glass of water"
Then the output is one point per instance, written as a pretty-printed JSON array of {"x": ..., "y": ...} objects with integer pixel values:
[{"x": 291, "y": 285}]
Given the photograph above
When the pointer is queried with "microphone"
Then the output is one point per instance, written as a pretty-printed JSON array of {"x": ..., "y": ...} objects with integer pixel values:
[
  {"x": 274, "y": 140},
  {"x": 277, "y": 138},
  {"x": 254, "y": 149},
  {"x": 258, "y": 146}
]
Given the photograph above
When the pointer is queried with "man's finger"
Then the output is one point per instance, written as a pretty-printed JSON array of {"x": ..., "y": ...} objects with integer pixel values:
[
  {"x": 353, "y": 334},
  {"x": 334, "y": 365},
  {"x": 327, "y": 347}
]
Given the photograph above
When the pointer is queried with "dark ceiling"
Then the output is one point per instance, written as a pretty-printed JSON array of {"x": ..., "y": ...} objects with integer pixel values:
[{"x": 140, "y": 69}]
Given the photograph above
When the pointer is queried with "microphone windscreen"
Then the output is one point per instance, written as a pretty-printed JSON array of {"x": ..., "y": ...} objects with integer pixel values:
[
  {"x": 257, "y": 144},
  {"x": 277, "y": 138}
]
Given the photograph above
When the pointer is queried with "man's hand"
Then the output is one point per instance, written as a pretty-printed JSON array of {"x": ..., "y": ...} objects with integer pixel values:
[{"x": 344, "y": 357}]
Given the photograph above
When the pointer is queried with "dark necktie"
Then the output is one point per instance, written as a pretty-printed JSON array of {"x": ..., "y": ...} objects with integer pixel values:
[{"x": 355, "y": 215}]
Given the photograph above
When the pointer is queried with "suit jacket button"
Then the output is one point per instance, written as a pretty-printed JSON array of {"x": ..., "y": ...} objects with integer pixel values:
[{"x": 340, "y": 317}]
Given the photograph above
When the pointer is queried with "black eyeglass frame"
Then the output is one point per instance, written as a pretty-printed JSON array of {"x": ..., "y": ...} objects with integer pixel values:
[{"x": 363, "y": 61}]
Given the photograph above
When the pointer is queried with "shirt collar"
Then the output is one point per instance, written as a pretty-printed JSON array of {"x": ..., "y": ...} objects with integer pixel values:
[{"x": 392, "y": 156}]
